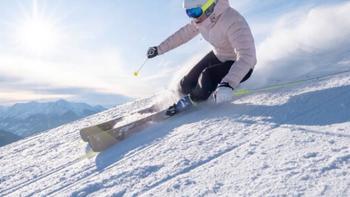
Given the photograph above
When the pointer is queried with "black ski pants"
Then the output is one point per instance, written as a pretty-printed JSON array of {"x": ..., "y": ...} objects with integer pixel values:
[{"x": 205, "y": 76}]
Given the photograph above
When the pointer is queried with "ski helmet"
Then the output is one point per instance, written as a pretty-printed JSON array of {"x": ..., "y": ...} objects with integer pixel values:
[{"x": 196, "y": 8}]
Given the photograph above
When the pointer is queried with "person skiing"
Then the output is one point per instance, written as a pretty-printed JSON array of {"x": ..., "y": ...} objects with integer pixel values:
[{"x": 222, "y": 70}]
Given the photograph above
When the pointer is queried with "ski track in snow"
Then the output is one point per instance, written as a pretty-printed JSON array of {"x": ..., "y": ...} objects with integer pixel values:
[{"x": 290, "y": 142}]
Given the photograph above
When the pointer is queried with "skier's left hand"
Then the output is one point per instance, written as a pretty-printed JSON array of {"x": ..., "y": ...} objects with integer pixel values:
[
  {"x": 224, "y": 93},
  {"x": 152, "y": 52}
]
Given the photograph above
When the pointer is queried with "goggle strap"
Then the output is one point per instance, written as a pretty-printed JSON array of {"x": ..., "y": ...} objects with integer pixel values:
[
  {"x": 207, "y": 5},
  {"x": 210, "y": 10}
]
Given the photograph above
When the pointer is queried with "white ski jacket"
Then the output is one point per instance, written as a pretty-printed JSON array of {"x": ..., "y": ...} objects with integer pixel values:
[{"x": 229, "y": 34}]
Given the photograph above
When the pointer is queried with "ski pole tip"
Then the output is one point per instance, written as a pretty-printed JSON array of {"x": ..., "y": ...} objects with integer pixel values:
[{"x": 136, "y": 74}]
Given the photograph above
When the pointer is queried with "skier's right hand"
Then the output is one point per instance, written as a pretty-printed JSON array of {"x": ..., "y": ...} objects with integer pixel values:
[{"x": 152, "y": 52}]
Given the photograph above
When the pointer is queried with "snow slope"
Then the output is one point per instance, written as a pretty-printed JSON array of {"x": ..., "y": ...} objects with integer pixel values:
[{"x": 290, "y": 142}]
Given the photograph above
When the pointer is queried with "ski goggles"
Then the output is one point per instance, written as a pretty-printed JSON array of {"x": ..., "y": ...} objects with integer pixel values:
[{"x": 197, "y": 12}]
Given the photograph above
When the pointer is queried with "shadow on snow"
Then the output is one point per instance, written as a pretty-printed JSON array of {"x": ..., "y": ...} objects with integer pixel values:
[{"x": 319, "y": 108}]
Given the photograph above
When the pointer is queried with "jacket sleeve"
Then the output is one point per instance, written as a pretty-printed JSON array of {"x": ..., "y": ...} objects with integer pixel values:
[
  {"x": 241, "y": 39},
  {"x": 180, "y": 37}
]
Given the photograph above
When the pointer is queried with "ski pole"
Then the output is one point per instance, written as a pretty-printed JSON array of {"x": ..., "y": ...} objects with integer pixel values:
[{"x": 136, "y": 73}]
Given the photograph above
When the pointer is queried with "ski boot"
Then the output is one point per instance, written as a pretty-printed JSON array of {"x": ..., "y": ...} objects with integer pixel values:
[{"x": 182, "y": 105}]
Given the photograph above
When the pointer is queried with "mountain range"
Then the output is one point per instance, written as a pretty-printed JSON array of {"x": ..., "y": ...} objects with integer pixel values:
[
  {"x": 25, "y": 119},
  {"x": 7, "y": 138}
]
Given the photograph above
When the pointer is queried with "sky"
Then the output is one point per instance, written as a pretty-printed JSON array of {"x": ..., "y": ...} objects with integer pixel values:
[{"x": 87, "y": 51}]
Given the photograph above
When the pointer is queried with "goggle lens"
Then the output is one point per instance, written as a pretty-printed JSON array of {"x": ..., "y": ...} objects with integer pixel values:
[{"x": 194, "y": 12}]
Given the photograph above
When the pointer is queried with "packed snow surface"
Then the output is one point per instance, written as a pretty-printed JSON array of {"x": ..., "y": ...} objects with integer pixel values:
[{"x": 292, "y": 141}]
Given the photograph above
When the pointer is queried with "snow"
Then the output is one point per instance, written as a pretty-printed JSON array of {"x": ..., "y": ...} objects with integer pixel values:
[{"x": 286, "y": 142}]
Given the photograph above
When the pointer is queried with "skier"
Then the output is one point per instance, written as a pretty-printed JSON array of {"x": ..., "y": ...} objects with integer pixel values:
[{"x": 221, "y": 71}]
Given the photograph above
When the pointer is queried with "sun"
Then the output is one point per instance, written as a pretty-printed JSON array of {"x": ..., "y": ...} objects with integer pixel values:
[{"x": 37, "y": 33}]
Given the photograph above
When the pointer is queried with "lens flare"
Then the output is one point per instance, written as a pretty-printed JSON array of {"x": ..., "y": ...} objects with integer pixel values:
[{"x": 37, "y": 33}]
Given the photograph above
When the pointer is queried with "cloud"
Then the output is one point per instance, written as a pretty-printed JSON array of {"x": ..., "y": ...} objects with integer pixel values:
[
  {"x": 12, "y": 92},
  {"x": 94, "y": 54},
  {"x": 91, "y": 74},
  {"x": 303, "y": 43},
  {"x": 97, "y": 98},
  {"x": 8, "y": 97},
  {"x": 103, "y": 71},
  {"x": 87, "y": 95},
  {"x": 88, "y": 75}
]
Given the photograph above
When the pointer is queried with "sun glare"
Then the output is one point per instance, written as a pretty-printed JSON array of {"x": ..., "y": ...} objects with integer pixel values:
[{"x": 37, "y": 33}]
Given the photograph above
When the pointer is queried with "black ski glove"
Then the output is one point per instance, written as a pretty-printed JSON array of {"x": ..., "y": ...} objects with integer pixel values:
[{"x": 152, "y": 52}]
